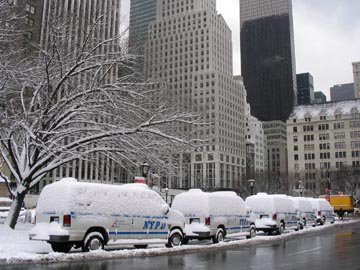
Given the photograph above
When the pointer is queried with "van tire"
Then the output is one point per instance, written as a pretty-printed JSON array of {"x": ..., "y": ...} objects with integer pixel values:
[
  {"x": 219, "y": 236},
  {"x": 93, "y": 241},
  {"x": 281, "y": 228},
  {"x": 185, "y": 241},
  {"x": 140, "y": 246},
  {"x": 61, "y": 247},
  {"x": 252, "y": 232},
  {"x": 175, "y": 239}
]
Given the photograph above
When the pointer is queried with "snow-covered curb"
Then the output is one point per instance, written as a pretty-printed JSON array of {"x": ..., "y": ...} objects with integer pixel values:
[{"x": 36, "y": 255}]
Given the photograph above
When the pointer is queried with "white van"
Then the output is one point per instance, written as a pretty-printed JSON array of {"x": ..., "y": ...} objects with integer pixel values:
[
  {"x": 304, "y": 211},
  {"x": 323, "y": 210},
  {"x": 214, "y": 215},
  {"x": 274, "y": 213},
  {"x": 89, "y": 216}
]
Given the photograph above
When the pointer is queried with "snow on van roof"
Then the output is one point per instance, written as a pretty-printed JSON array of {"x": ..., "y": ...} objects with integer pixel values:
[
  {"x": 223, "y": 193},
  {"x": 70, "y": 195},
  {"x": 268, "y": 203},
  {"x": 68, "y": 179},
  {"x": 199, "y": 203},
  {"x": 193, "y": 202}
]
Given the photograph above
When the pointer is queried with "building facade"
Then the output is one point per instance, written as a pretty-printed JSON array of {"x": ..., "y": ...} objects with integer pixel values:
[
  {"x": 268, "y": 57},
  {"x": 142, "y": 13},
  {"x": 190, "y": 50},
  {"x": 356, "y": 71},
  {"x": 342, "y": 92},
  {"x": 323, "y": 141},
  {"x": 256, "y": 147},
  {"x": 32, "y": 20},
  {"x": 275, "y": 132},
  {"x": 305, "y": 88}
]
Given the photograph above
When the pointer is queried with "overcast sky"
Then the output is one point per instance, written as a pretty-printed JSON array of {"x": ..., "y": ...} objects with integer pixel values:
[{"x": 327, "y": 38}]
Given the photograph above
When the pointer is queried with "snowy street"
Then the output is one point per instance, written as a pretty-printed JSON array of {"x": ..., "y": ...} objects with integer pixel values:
[{"x": 16, "y": 248}]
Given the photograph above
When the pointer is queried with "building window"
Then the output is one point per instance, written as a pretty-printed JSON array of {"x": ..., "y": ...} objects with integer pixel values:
[
  {"x": 30, "y": 9},
  {"x": 29, "y": 22}
]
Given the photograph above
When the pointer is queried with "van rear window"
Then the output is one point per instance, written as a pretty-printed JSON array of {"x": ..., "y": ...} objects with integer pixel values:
[{"x": 194, "y": 220}]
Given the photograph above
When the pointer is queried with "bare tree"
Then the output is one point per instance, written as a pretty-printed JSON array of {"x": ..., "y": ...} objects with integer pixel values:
[{"x": 62, "y": 105}]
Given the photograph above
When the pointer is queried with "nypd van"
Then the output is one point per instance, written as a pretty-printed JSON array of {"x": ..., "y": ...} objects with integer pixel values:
[
  {"x": 305, "y": 212},
  {"x": 322, "y": 210},
  {"x": 274, "y": 213},
  {"x": 72, "y": 214},
  {"x": 214, "y": 215}
]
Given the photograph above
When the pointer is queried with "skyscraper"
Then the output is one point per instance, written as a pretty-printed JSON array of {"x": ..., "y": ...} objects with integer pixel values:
[
  {"x": 268, "y": 58},
  {"x": 320, "y": 97},
  {"x": 356, "y": 71},
  {"x": 342, "y": 92},
  {"x": 142, "y": 13},
  {"x": 305, "y": 88},
  {"x": 77, "y": 16},
  {"x": 190, "y": 50}
]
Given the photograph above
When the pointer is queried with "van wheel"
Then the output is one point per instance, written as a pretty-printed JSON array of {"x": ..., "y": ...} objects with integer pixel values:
[
  {"x": 219, "y": 236},
  {"x": 93, "y": 241},
  {"x": 252, "y": 232},
  {"x": 281, "y": 229},
  {"x": 175, "y": 240},
  {"x": 304, "y": 222},
  {"x": 60, "y": 247},
  {"x": 140, "y": 246}
]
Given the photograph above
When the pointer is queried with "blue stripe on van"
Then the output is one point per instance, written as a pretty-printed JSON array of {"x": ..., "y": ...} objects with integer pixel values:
[
  {"x": 74, "y": 214},
  {"x": 237, "y": 228},
  {"x": 137, "y": 233}
]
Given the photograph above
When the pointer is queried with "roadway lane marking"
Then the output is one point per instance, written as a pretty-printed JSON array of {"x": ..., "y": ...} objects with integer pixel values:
[{"x": 306, "y": 251}]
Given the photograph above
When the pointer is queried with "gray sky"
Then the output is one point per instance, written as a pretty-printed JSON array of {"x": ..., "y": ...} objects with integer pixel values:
[{"x": 327, "y": 38}]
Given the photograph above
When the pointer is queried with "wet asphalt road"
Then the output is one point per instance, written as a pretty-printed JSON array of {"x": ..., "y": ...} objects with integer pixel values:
[{"x": 336, "y": 248}]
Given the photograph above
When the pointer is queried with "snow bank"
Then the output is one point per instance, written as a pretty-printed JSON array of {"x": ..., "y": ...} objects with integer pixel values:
[
  {"x": 5, "y": 200},
  {"x": 15, "y": 247}
]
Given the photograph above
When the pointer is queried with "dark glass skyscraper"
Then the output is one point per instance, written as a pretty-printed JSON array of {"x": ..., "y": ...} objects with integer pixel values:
[
  {"x": 305, "y": 88},
  {"x": 268, "y": 57},
  {"x": 142, "y": 13}
]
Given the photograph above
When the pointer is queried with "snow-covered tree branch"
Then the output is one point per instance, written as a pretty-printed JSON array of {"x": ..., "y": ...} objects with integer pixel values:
[{"x": 63, "y": 104}]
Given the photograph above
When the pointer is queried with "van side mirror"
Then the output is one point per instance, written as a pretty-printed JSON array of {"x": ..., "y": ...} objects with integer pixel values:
[{"x": 165, "y": 209}]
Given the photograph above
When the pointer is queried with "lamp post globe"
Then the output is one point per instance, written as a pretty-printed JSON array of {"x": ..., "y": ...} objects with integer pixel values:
[
  {"x": 251, "y": 184},
  {"x": 145, "y": 169}
]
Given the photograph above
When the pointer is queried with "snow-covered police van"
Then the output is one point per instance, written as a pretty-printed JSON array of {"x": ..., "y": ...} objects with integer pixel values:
[
  {"x": 305, "y": 212},
  {"x": 273, "y": 213},
  {"x": 323, "y": 210},
  {"x": 214, "y": 215},
  {"x": 89, "y": 216}
]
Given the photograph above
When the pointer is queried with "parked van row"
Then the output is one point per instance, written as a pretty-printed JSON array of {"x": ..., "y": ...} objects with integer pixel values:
[
  {"x": 72, "y": 214},
  {"x": 275, "y": 213}
]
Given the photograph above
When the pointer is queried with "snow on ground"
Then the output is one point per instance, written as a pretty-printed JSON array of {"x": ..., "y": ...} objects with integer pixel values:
[{"x": 16, "y": 248}]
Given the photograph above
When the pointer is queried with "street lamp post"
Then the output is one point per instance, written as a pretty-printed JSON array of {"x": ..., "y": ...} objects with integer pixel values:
[
  {"x": 166, "y": 190},
  {"x": 251, "y": 184},
  {"x": 328, "y": 186},
  {"x": 301, "y": 187}
]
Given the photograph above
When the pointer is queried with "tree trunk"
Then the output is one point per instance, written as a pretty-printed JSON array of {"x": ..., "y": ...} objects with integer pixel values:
[{"x": 15, "y": 208}]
